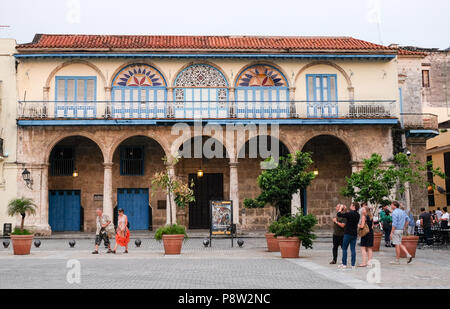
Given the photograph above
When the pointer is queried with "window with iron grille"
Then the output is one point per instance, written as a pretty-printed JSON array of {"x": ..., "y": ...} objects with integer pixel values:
[
  {"x": 431, "y": 201},
  {"x": 447, "y": 173},
  {"x": 131, "y": 160},
  {"x": 62, "y": 161}
]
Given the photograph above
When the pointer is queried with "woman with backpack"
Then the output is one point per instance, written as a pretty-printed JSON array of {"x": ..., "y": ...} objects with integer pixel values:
[{"x": 122, "y": 233}]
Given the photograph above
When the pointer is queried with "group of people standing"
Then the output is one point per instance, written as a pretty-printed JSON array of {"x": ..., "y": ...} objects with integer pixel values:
[
  {"x": 359, "y": 221},
  {"x": 105, "y": 229}
]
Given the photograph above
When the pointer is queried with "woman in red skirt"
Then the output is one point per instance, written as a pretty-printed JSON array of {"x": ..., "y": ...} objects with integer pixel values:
[{"x": 123, "y": 233}]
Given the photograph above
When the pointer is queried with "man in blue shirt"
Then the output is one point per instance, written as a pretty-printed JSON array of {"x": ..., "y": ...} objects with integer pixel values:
[{"x": 399, "y": 221}]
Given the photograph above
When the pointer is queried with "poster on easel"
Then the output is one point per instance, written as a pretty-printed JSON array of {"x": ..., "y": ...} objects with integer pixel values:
[{"x": 221, "y": 219}]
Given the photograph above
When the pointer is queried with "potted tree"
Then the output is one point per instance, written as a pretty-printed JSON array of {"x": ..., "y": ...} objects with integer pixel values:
[
  {"x": 293, "y": 231},
  {"x": 374, "y": 183},
  {"x": 21, "y": 238},
  {"x": 172, "y": 234},
  {"x": 279, "y": 183}
]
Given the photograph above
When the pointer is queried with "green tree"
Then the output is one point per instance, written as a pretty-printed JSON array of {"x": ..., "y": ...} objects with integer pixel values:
[
  {"x": 281, "y": 182},
  {"x": 21, "y": 206},
  {"x": 374, "y": 183},
  {"x": 181, "y": 192}
]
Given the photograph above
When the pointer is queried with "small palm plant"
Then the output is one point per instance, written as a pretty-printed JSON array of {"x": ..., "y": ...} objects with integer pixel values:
[{"x": 21, "y": 206}]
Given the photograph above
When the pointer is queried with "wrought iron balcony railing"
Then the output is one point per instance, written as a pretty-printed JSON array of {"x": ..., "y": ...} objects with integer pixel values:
[
  {"x": 419, "y": 121},
  {"x": 206, "y": 109}
]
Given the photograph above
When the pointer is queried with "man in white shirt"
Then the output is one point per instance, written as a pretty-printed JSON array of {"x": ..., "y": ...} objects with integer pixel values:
[{"x": 438, "y": 213}]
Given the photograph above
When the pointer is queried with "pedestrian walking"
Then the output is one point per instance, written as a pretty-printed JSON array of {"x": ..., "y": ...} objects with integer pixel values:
[
  {"x": 399, "y": 222},
  {"x": 338, "y": 233},
  {"x": 104, "y": 227},
  {"x": 122, "y": 233},
  {"x": 350, "y": 233},
  {"x": 367, "y": 239}
]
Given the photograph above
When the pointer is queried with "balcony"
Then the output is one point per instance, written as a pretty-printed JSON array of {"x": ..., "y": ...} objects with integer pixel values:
[
  {"x": 314, "y": 112},
  {"x": 419, "y": 121}
]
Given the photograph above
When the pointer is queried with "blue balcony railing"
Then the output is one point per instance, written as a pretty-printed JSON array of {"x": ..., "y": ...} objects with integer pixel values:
[{"x": 206, "y": 109}]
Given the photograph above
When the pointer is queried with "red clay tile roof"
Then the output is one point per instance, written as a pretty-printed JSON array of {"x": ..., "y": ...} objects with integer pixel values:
[
  {"x": 405, "y": 52},
  {"x": 168, "y": 42}
]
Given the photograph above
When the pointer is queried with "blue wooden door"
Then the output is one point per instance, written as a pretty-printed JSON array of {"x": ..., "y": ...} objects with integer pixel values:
[
  {"x": 65, "y": 210},
  {"x": 135, "y": 205}
]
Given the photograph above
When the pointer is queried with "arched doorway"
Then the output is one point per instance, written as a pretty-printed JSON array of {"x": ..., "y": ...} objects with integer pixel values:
[
  {"x": 211, "y": 184},
  {"x": 75, "y": 184},
  {"x": 331, "y": 158},
  {"x": 135, "y": 161},
  {"x": 250, "y": 158}
]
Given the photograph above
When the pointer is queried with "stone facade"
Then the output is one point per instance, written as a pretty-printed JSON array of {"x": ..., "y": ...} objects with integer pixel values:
[{"x": 336, "y": 149}]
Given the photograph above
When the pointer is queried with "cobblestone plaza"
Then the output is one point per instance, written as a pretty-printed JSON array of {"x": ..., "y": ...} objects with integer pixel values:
[{"x": 217, "y": 267}]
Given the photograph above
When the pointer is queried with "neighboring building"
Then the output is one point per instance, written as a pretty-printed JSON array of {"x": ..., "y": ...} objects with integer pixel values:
[
  {"x": 425, "y": 76},
  {"x": 438, "y": 151},
  {"x": 8, "y": 128},
  {"x": 101, "y": 108}
]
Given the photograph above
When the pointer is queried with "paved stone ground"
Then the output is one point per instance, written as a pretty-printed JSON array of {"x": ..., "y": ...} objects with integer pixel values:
[{"x": 218, "y": 267}]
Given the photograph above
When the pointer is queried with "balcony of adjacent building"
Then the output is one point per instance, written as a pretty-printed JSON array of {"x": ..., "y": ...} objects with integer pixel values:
[
  {"x": 423, "y": 125},
  {"x": 222, "y": 111}
]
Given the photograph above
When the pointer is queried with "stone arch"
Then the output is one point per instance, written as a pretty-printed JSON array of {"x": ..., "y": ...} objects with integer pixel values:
[
  {"x": 218, "y": 68},
  {"x": 340, "y": 138},
  {"x": 269, "y": 63},
  {"x": 126, "y": 64},
  {"x": 124, "y": 137},
  {"x": 288, "y": 145},
  {"x": 50, "y": 146},
  {"x": 75, "y": 61},
  {"x": 204, "y": 134}
]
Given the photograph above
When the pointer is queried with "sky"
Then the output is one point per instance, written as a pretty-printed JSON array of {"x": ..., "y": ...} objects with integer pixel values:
[{"x": 405, "y": 22}]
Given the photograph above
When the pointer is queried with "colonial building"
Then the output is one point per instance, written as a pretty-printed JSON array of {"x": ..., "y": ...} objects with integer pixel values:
[
  {"x": 424, "y": 75},
  {"x": 8, "y": 128},
  {"x": 96, "y": 115}
]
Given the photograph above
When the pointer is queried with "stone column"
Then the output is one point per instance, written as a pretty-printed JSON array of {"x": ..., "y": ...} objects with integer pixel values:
[
  {"x": 107, "y": 190},
  {"x": 46, "y": 109},
  {"x": 170, "y": 103},
  {"x": 171, "y": 219},
  {"x": 234, "y": 190},
  {"x": 296, "y": 205},
  {"x": 43, "y": 225},
  {"x": 107, "y": 104},
  {"x": 231, "y": 99},
  {"x": 292, "y": 107}
]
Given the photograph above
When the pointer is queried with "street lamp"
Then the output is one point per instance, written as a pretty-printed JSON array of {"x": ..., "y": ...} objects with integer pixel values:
[
  {"x": 75, "y": 173},
  {"x": 26, "y": 175},
  {"x": 200, "y": 173}
]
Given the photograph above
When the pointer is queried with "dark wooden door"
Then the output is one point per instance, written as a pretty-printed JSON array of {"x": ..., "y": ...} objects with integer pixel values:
[{"x": 207, "y": 188}]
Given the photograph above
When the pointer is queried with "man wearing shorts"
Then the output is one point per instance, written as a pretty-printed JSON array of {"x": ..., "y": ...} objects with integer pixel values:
[
  {"x": 104, "y": 226},
  {"x": 399, "y": 221}
]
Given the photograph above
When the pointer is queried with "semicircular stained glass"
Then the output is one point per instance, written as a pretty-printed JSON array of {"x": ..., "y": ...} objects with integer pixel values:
[
  {"x": 139, "y": 75},
  {"x": 261, "y": 76},
  {"x": 200, "y": 75}
]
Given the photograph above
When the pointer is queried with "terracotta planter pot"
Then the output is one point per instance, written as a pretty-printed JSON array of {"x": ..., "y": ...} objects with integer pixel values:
[
  {"x": 172, "y": 243},
  {"x": 22, "y": 244},
  {"x": 376, "y": 241},
  {"x": 289, "y": 247},
  {"x": 272, "y": 243},
  {"x": 410, "y": 242}
]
